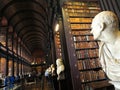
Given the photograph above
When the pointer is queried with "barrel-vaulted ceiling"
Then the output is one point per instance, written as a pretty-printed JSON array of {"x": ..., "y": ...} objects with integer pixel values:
[{"x": 30, "y": 19}]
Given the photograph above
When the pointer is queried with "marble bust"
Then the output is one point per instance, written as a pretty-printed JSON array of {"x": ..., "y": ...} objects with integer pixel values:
[
  {"x": 105, "y": 27},
  {"x": 60, "y": 69}
]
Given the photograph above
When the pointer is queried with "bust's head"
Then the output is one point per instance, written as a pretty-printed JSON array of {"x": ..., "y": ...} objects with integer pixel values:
[
  {"x": 59, "y": 62},
  {"x": 104, "y": 21}
]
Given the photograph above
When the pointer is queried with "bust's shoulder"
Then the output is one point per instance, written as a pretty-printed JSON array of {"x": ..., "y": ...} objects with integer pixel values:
[{"x": 101, "y": 44}]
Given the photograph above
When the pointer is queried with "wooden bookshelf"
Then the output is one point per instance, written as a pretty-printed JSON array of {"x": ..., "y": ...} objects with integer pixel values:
[
  {"x": 78, "y": 17},
  {"x": 58, "y": 45},
  {"x": 3, "y": 35}
]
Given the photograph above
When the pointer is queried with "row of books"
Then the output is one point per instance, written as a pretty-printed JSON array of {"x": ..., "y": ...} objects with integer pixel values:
[
  {"x": 58, "y": 50},
  {"x": 80, "y": 32},
  {"x": 81, "y": 7},
  {"x": 58, "y": 45},
  {"x": 58, "y": 42},
  {"x": 57, "y": 36},
  {"x": 88, "y": 64},
  {"x": 88, "y": 76},
  {"x": 82, "y": 11},
  {"x": 58, "y": 39},
  {"x": 75, "y": 7},
  {"x": 85, "y": 45},
  {"x": 80, "y": 26},
  {"x": 87, "y": 53},
  {"x": 3, "y": 36},
  {"x": 82, "y": 19},
  {"x": 83, "y": 38},
  {"x": 88, "y": 4},
  {"x": 78, "y": 14}
]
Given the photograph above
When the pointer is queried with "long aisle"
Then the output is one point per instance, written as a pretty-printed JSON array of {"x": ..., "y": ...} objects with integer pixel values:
[
  {"x": 42, "y": 84},
  {"x": 48, "y": 85}
]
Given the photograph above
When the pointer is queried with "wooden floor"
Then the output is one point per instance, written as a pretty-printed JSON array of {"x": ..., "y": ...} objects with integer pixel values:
[{"x": 38, "y": 85}]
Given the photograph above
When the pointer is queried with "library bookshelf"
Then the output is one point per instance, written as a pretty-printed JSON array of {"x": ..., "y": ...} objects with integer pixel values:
[
  {"x": 82, "y": 48},
  {"x": 58, "y": 45}
]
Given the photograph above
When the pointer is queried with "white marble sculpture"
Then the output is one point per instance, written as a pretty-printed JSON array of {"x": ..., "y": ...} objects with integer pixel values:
[
  {"x": 60, "y": 69},
  {"x": 105, "y": 27}
]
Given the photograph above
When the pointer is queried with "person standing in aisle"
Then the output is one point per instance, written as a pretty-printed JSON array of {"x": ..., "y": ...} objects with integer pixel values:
[{"x": 48, "y": 75}]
